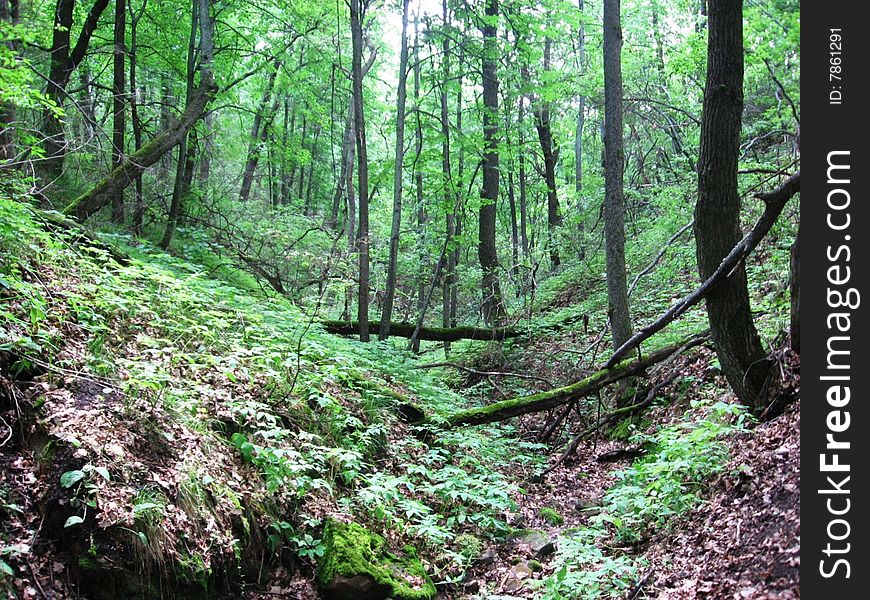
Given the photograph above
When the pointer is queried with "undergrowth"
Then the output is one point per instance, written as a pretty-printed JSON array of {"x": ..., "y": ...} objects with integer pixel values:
[
  {"x": 646, "y": 499},
  {"x": 242, "y": 420}
]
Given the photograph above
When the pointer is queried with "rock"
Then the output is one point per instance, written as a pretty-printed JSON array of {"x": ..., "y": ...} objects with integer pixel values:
[
  {"x": 487, "y": 557},
  {"x": 518, "y": 520},
  {"x": 538, "y": 541},
  {"x": 357, "y": 565},
  {"x": 522, "y": 571},
  {"x": 587, "y": 505},
  {"x": 471, "y": 588}
]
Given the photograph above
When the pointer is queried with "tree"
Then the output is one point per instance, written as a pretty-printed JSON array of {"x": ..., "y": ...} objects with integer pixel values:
[
  {"x": 550, "y": 153},
  {"x": 717, "y": 212},
  {"x": 180, "y": 187},
  {"x": 259, "y": 128},
  {"x": 10, "y": 13},
  {"x": 119, "y": 121},
  {"x": 390, "y": 294},
  {"x": 493, "y": 309},
  {"x": 135, "y": 164},
  {"x": 614, "y": 203},
  {"x": 357, "y": 14},
  {"x": 64, "y": 60}
]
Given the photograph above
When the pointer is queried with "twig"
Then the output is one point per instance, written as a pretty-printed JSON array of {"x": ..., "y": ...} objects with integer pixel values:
[
  {"x": 659, "y": 256},
  {"x": 635, "y": 591}
]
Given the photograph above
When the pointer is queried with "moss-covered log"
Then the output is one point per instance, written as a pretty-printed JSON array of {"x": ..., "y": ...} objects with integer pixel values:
[
  {"x": 124, "y": 174},
  {"x": 431, "y": 334},
  {"x": 523, "y": 405}
]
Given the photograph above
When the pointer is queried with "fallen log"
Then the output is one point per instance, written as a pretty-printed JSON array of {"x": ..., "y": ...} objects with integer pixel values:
[
  {"x": 431, "y": 334},
  {"x": 514, "y": 407},
  {"x": 134, "y": 165},
  {"x": 452, "y": 334}
]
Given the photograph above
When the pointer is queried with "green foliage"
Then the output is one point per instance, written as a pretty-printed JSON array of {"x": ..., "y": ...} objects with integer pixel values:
[
  {"x": 647, "y": 497},
  {"x": 668, "y": 480},
  {"x": 84, "y": 484}
]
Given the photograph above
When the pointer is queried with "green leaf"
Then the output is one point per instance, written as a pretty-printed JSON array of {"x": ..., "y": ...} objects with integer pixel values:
[
  {"x": 70, "y": 478},
  {"x": 73, "y": 520},
  {"x": 104, "y": 473}
]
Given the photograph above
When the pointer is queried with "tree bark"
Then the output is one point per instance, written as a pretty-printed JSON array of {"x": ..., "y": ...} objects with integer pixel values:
[
  {"x": 119, "y": 122},
  {"x": 63, "y": 61},
  {"x": 774, "y": 203},
  {"x": 492, "y": 308},
  {"x": 717, "y": 212},
  {"x": 178, "y": 188},
  {"x": 10, "y": 14},
  {"x": 550, "y": 154},
  {"x": 357, "y": 13},
  {"x": 395, "y": 229},
  {"x": 523, "y": 405},
  {"x": 430, "y": 334},
  {"x": 614, "y": 206},
  {"x": 581, "y": 105},
  {"x": 257, "y": 135},
  {"x": 450, "y": 198},
  {"x": 139, "y": 200}
]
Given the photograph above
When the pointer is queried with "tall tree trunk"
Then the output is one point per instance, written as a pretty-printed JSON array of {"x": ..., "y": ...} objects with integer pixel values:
[
  {"x": 119, "y": 122},
  {"x": 206, "y": 154},
  {"x": 717, "y": 213},
  {"x": 178, "y": 185},
  {"x": 524, "y": 201},
  {"x": 395, "y": 229},
  {"x": 64, "y": 60},
  {"x": 581, "y": 105},
  {"x": 301, "y": 185},
  {"x": 139, "y": 200},
  {"x": 309, "y": 179},
  {"x": 256, "y": 139},
  {"x": 550, "y": 154},
  {"x": 357, "y": 14},
  {"x": 614, "y": 205},
  {"x": 346, "y": 164},
  {"x": 492, "y": 308},
  {"x": 422, "y": 217},
  {"x": 10, "y": 14},
  {"x": 449, "y": 187}
]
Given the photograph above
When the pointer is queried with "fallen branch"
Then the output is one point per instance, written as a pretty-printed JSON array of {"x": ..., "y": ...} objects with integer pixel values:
[
  {"x": 506, "y": 409},
  {"x": 432, "y": 334},
  {"x": 774, "y": 203},
  {"x": 614, "y": 416},
  {"x": 483, "y": 373}
]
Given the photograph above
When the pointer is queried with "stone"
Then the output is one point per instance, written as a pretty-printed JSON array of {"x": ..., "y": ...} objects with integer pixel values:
[{"x": 357, "y": 565}]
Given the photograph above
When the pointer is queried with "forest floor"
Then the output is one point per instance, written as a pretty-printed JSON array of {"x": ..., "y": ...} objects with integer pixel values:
[{"x": 149, "y": 413}]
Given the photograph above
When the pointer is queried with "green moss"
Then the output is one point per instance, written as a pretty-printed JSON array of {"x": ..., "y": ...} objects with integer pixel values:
[
  {"x": 535, "y": 566},
  {"x": 353, "y": 552},
  {"x": 551, "y": 516}
]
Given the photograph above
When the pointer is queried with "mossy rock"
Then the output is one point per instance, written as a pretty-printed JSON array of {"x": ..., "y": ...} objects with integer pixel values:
[
  {"x": 357, "y": 565},
  {"x": 551, "y": 516}
]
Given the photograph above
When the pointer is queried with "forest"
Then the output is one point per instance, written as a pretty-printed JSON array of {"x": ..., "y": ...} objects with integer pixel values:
[{"x": 399, "y": 299}]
